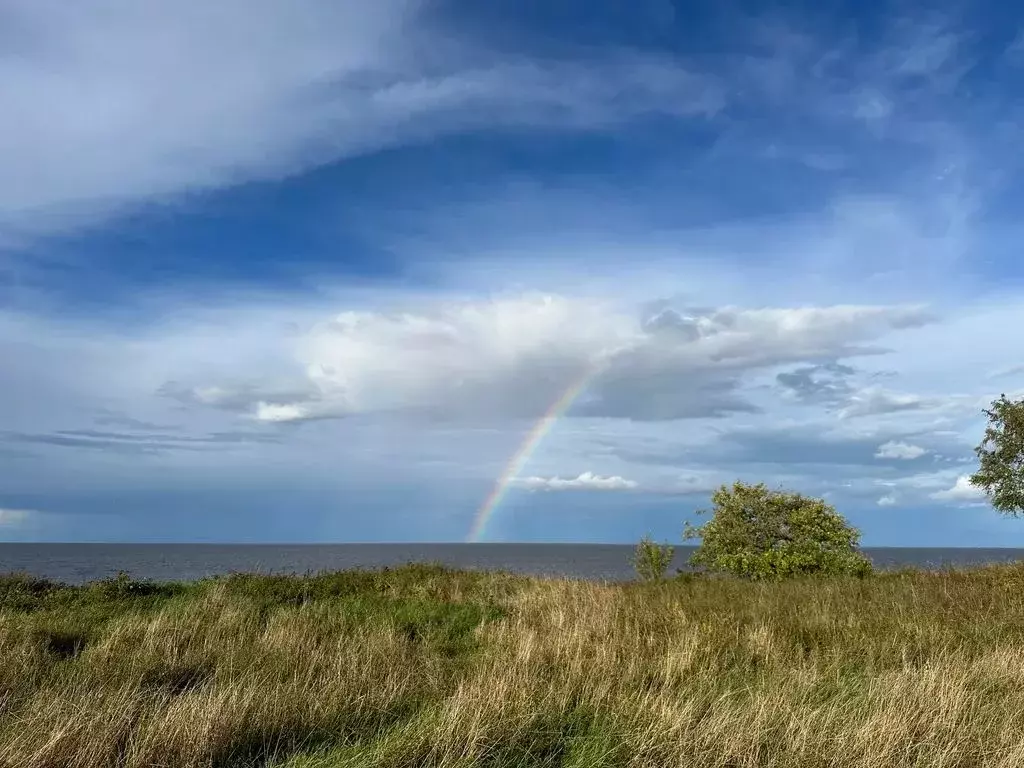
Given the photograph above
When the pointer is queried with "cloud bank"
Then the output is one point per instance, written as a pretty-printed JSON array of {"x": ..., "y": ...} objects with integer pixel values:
[{"x": 515, "y": 356}]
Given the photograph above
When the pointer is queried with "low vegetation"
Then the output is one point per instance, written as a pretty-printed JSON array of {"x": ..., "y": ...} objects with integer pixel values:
[
  {"x": 651, "y": 561},
  {"x": 422, "y": 666},
  {"x": 756, "y": 533}
]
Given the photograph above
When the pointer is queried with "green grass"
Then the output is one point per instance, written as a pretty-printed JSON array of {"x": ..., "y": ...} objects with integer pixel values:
[{"x": 423, "y": 666}]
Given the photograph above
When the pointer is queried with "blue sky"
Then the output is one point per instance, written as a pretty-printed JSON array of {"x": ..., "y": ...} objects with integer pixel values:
[{"x": 311, "y": 271}]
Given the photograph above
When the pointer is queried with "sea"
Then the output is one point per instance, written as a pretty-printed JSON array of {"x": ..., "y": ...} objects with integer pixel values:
[{"x": 80, "y": 563}]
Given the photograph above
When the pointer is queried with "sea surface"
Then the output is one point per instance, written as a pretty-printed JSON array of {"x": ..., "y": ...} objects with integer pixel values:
[{"x": 78, "y": 563}]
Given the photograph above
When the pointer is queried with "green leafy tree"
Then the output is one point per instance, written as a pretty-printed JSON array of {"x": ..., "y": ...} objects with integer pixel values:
[
  {"x": 652, "y": 560},
  {"x": 1001, "y": 454},
  {"x": 757, "y": 533}
]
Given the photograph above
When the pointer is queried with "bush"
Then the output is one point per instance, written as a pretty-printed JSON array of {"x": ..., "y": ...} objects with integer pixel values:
[
  {"x": 652, "y": 560},
  {"x": 760, "y": 534}
]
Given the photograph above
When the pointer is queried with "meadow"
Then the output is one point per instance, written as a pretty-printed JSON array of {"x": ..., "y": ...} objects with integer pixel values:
[{"x": 424, "y": 666}]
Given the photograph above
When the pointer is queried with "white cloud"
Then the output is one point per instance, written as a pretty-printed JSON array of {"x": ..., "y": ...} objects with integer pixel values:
[
  {"x": 962, "y": 491},
  {"x": 14, "y": 517},
  {"x": 112, "y": 112},
  {"x": 516, "y": 355},
  {"x": 895, "y": 449},
  {"x": 888, "y": 500},
  {"x": 276, "y": 413},
  {"x": 587, "y": 481}
]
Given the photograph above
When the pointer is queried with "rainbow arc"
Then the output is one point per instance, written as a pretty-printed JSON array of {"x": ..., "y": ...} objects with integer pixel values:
[{"x": 522, "y": 455}]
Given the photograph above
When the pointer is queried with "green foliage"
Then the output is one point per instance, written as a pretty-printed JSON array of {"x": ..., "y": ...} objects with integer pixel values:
[
  {"x": 760, "y": 534},
  {"x": 652, "y": 560},
  {"x": 1001, "y": 454},
  {"x": 24, "y": 592}
]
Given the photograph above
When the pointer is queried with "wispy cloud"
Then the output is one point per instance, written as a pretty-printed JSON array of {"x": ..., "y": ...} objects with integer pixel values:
[
  {"x": 1015, "y": 50},
  {"x": 266, "y": 91},
  {"x": 875, "y": 401}
]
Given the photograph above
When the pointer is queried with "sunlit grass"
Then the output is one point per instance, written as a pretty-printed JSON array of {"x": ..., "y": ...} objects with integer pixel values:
[{"x": 421, "y": 666}]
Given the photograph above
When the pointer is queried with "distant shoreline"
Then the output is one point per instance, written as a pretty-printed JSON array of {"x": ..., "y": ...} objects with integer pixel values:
[{"x": 81, "y": 563}]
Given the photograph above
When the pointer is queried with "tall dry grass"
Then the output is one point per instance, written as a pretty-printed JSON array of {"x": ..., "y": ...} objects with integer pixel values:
[{"x": 426, "y": 667}]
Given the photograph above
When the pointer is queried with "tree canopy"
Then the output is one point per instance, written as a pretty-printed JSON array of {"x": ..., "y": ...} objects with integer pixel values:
[
  {"x": 758, "y": 533},
  {"x": 1001, "y": 455}
]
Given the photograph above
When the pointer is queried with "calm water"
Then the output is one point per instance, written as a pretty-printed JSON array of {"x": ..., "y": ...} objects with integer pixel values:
[{"x": 76, "y": 563}]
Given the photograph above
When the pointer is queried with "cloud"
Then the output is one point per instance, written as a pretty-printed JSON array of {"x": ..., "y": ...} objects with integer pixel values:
[
  {"x": 108, "y": 418},
  {"x": 10, "y": 518},
  {"x": 1014, "y": 52},
  {"x": 899, "y": 450},
  {"x": 962, "y": 492},
  {"x": 928, "y": 54},
  {"x": 1006, "y": 372},
  {"x": 827, "y": 383},
  {"x": 266, "y": 91},
  {"x": 514, "y": 356},
  {"x": 888, "y": 500},
  {"x": 587, "y": 481},
  {"x": 875, "y": 401},
  {"x": 136, "y": 442}
]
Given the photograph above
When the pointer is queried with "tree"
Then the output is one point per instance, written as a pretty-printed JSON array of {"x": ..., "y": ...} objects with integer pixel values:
[
  {"x": 1001, "y": 454},
  {"x": 651, "y": 560},
  {"x": 757, "y": 533}
]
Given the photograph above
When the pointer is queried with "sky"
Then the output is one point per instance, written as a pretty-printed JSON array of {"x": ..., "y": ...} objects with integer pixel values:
[{"x": 316, "y": 271}]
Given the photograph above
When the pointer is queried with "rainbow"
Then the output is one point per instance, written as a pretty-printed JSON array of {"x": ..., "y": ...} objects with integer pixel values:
[{"x": 526, "y": 449}]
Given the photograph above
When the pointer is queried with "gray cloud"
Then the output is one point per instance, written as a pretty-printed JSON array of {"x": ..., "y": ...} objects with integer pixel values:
[
  {"x": 875, "y": 401},
  {"x": 805, "y": 446},
  {"x": 643, "y": 387},
  {"x": 673, "y": 324},
  {"x": 826, "y": 384},
  {"x": 106, "y": 417}
]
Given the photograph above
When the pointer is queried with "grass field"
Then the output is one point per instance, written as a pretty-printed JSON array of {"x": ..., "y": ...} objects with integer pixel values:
[{"x": 422, "y": 666}]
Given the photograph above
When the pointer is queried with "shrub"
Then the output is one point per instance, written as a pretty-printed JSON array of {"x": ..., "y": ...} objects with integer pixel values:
[
  {"x": 652, "y": 560},
  {"x": 757, "y": 533}
]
